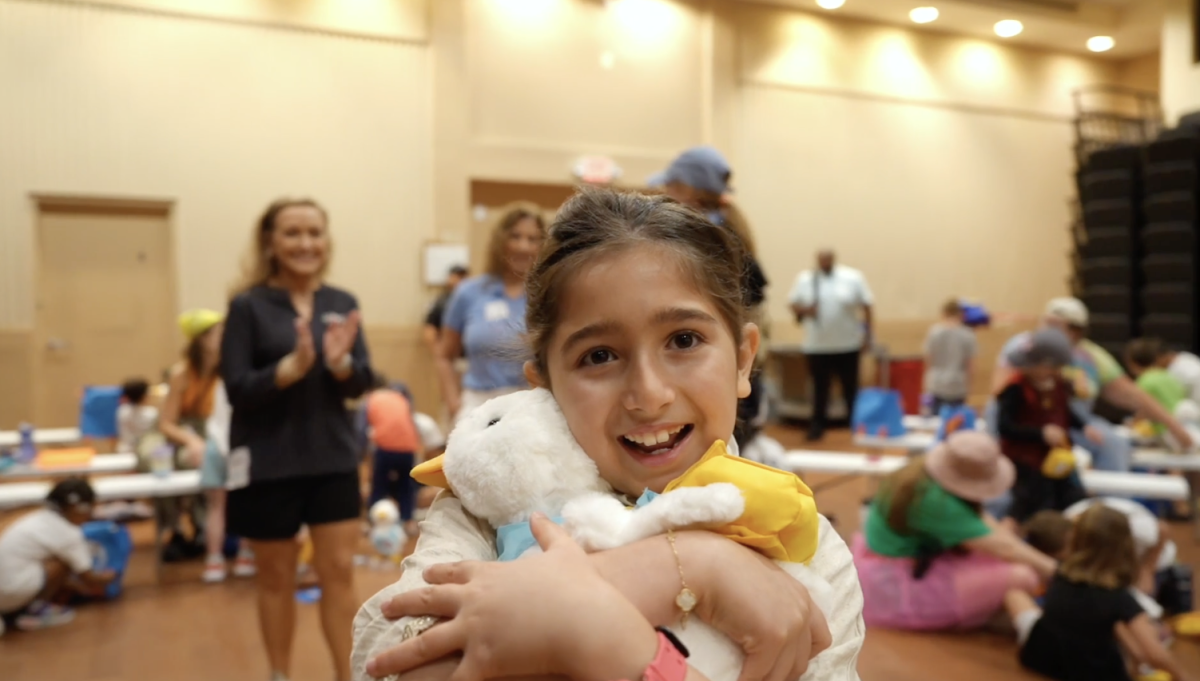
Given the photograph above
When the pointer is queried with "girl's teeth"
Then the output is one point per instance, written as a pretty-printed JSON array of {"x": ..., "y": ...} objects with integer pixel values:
[{"x": 651, "y": 439}]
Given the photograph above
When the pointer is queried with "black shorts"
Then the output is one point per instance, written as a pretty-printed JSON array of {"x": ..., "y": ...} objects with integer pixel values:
[
  {"x": 275, "y": 509},
  {"x": 1033, "y": 492}
]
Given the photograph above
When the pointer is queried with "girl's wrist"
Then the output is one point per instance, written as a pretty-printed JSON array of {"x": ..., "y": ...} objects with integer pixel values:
[{"x": 623, "y": 656}]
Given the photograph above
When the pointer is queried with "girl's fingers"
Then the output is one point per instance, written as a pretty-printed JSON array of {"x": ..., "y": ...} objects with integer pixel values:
[
  {"x": 451, "y": 573},
  {"x": 436, "y": 601},
  {"x": 550, "y": 535},
  {"x": 430, "y": 646}
]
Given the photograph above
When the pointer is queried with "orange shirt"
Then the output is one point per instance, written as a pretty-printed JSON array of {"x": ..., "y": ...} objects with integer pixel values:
[{"x": 390, "y": 418}]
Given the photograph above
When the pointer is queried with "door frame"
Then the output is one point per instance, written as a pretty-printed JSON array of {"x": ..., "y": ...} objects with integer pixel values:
[{"x": 87, "y": 204}]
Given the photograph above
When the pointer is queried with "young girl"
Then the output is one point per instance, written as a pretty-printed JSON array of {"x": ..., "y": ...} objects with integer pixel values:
[
  {"x": 1089, "y": 609},
  {"x": 1035, "y": 415},
  {"x": 194, "y": 394},
  {"x": 192, "y": 389},
  {"x": 636, "y": 324}
]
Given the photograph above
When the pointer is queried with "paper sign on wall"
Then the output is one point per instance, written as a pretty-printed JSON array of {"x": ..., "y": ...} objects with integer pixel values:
[{"x": 439, "y": 258}]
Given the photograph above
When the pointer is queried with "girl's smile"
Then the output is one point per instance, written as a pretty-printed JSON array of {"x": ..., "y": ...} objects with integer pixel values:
[{"x": 646, "y": 371}]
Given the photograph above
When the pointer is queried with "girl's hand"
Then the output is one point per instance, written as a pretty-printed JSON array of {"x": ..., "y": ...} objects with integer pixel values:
[
  {"x": 1054, "y": 435},
  {"x": 193, "y": 453},
  {"x": 339, "y": 339},
  {"x": 771, "y": 617},
  {"x": 546, "y": 614},
  {"x": 1094, "y": 434}
]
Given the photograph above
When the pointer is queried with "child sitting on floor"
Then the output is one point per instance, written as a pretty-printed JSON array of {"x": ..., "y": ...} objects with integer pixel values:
[
  {"x": 1049, "y": 532},
  {"x": 1089, "y": 609},
  {"x": 41, "y": 552},
  {"x": 1035, "y": 416}
]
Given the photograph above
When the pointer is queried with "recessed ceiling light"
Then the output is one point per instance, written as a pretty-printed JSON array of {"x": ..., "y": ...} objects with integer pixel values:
[
  {"x": 830, "y": 4},
  {"x": 923, "y": 15},
  {"x": 1008, "y": 28},
  {"x": 1100, "y": 43}
]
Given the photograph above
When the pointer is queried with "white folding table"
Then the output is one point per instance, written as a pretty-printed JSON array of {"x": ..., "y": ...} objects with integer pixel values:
[
  {"x": 99, "y": 464},
  {"x": 42, "y": 436}
]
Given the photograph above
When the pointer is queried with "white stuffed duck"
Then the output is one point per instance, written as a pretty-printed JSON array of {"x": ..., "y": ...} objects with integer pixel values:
[{"x": 515, "y": 455}]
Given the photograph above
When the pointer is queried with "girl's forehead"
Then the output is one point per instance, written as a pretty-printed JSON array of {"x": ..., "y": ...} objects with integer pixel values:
[{"x": 629, "y": 287}]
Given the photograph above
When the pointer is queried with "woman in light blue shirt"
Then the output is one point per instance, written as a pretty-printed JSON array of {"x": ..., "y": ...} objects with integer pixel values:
[{"x": 485, "y": 318}]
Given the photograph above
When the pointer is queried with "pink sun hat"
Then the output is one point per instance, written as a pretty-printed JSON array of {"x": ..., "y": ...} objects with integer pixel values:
[{"x": 969, "y": 465}]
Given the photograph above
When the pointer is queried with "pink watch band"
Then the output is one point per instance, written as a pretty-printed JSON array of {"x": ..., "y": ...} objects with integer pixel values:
[{"x": 669, "y": 664}]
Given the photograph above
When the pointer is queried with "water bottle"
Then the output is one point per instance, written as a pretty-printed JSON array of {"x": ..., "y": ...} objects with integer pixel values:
[
  {"x": 162, "y": 458},
  {"x": 26, "y": 450}
]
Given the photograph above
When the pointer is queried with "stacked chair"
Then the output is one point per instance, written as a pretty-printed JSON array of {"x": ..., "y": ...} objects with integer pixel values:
[
  {"x": 1109, "y": 250},
  {"x": 1170, "y": 249}
]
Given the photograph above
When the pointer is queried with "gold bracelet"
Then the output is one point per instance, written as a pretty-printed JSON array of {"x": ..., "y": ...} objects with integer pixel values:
[
  {"x": 417, "y": 626},
  {"x": 686, "y": 600}
]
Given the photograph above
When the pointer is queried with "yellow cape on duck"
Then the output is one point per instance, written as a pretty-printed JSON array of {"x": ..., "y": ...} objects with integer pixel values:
[{"x": 780, "y": 520}]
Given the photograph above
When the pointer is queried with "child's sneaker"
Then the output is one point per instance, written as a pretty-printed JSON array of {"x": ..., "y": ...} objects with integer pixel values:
[
  {"x": 42, "y": 615},
  {"x": 214, "y": 570},
  {"x": 244, "y": 565}
]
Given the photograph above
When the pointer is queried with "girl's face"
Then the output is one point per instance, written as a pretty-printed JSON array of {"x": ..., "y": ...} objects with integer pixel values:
[
  {"x": 300, "y": 241},
  {"x": 521, "y": 248},
  {"x": 644, "y": 369},
  {"x": 1042, "y": 375}
]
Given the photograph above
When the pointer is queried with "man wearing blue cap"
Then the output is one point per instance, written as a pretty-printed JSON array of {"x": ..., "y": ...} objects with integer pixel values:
[{"x": 699, "y": 177}]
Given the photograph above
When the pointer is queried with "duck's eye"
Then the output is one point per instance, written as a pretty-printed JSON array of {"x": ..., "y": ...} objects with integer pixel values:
[{"x": 493, "y": 422}]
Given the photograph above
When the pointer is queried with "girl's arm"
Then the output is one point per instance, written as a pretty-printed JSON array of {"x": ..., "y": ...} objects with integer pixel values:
[
  {"x": 1006, "y": 546},
  {"x": 168, "y": 419},
  {"x": 646, "y": 573},
  {"x": 1141, "y": 640}
]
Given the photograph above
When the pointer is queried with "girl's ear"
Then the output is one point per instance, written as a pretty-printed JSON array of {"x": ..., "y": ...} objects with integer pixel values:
[
  {"x": 746, "y": 354},
  {"x": 533, "y": 375}
]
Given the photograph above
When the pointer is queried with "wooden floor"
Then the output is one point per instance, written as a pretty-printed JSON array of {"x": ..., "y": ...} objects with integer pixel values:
[{"x": 181, "y": 630}]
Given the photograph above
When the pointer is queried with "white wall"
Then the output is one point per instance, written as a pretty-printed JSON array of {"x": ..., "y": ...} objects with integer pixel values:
[
  {"x": 938, "y": 165},
  {"x": 220, "y": 117}
]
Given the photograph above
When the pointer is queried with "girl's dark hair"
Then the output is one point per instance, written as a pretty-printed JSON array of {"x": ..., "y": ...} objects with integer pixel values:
[
  {"x": 1101, "y": 551},
  {"x": 193, "y": 354},
  {"x": 599, "y": 222},
  {"x": 905, "y": 487},
  {"x": 1144, "y": 352},
  {"x": 71, "y": 492}
]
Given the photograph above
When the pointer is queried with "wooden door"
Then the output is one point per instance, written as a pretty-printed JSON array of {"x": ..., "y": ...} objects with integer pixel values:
[{"x": 105, "y": 300}]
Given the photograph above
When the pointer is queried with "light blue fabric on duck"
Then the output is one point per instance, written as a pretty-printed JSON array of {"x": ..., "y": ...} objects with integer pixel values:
[{"x": 512, "y": 541}]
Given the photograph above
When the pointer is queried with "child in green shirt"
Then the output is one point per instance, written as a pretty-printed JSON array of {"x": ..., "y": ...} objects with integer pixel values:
[{"x": 1143, "y": 358}]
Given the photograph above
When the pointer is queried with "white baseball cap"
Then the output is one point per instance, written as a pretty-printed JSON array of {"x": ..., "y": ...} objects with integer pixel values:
[{"x": 1068, "y": 310}]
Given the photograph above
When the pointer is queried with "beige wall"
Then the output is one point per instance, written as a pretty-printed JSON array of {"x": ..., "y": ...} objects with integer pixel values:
[
  {"x": 386, "y": 19},
  {"x": 1143, "y": 73},
  {"x": 1180, "y": 73},
  {"x": 938, "y": 165},
  {"x": 220, "y": 118}
]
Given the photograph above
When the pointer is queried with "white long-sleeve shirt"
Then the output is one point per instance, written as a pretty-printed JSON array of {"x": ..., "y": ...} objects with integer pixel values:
[{"x": 450, "y": 534}]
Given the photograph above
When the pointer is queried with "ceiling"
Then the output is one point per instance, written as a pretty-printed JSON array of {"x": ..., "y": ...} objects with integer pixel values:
[{"x": 1061, "y": 25}]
